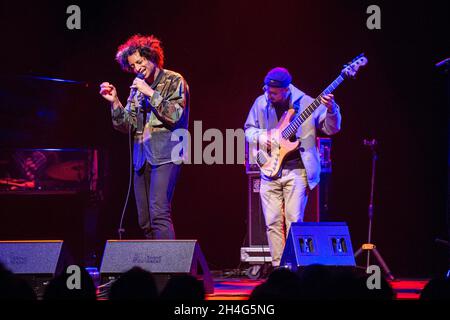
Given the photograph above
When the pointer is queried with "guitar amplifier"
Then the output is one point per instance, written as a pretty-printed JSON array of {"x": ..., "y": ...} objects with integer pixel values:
[{"x": 316, "y": 209}]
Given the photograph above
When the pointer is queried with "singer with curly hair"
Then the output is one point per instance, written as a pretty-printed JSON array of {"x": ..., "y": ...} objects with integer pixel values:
[{"x": 157, "y": 105}]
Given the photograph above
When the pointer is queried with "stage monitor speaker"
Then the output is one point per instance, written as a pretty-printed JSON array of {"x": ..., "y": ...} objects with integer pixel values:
[
  {"x": 326, "y": 243},
  {"x": 32, "y": 257},
  {"x": 163, "y": 258},
  {"x": 36, "y": 261}
]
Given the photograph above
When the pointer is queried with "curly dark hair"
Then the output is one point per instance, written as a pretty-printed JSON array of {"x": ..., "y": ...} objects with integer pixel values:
[{"x": 147, "y": 46}]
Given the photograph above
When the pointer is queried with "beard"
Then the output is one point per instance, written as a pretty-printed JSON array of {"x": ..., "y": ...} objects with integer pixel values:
[{"x": 280, "y": 104}]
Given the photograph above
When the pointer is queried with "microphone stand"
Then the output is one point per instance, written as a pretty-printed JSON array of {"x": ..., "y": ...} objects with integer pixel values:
[
  {"x": 369, "y": 246},
  {"x": 444, "y": 68}
]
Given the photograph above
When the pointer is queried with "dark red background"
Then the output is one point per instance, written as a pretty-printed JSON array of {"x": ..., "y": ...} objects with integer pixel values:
[{"x": 224, "y": 50}]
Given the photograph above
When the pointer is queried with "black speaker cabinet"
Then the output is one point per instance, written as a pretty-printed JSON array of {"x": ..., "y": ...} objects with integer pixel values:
[
  {"x": 163, "y": 258},
  {"x": 256, "y": 226},
  {"x": 316, "y": 208},
  {"x": 326, "y": 243}
]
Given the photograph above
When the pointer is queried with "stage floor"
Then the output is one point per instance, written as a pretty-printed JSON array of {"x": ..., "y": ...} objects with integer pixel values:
[{"x": 241, "y": 288}]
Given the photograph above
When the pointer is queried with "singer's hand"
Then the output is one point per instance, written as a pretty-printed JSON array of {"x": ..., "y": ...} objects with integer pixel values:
[
  {"x": 109, "y": 92},
  {"x": 143, "y": 87}
]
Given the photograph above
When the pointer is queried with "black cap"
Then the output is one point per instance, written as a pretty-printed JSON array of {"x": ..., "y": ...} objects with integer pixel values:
[{"x": 278, "y": 77}]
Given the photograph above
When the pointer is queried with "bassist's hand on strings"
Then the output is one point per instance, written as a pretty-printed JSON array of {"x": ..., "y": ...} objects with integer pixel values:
[
  {"x": 263, "y": 141},
  {"x": 328, "y": 101}
]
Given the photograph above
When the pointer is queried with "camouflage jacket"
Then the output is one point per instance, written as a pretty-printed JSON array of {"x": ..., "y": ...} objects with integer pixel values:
[{"x": 153, "y": 119}]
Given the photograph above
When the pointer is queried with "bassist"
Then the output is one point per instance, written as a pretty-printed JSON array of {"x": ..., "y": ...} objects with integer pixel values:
[{"x": 284, "y": 196}]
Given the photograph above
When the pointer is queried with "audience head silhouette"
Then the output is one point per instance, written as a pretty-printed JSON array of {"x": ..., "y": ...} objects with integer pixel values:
[
  {"x": 436, "y": 289},
  {"x": 135, "y": 284},
  {"x": 282, "y": 284},
  {"x": 13, "y": 287},
  {"x": 319, "y": 282},
  {"x": 183, "y": 288},
  {"x": 59, "y": 289}
]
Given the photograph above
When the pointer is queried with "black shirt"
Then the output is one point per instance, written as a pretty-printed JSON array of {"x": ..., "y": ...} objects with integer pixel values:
[{"x": 292, "y": 160}]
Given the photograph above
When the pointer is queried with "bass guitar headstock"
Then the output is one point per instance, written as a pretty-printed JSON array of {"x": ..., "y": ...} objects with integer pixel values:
[{"x": 351, "y": 69}]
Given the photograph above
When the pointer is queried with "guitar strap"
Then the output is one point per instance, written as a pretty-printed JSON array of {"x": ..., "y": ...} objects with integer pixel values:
[{"x": 296, "y": 104}]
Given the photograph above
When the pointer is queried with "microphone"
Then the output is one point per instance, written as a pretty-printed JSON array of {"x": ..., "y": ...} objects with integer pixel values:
[
  {"x": 445, "y": 62},
  {"x": 134, "y": 90},
  {"x": 370, "y": 143}
]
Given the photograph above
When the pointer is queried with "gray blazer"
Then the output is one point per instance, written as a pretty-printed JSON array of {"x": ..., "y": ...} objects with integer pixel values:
[{"x": 262, "y": 116}]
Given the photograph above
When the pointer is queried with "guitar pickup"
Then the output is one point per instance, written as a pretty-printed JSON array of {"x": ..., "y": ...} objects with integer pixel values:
[{"x": 261, "y": 158}]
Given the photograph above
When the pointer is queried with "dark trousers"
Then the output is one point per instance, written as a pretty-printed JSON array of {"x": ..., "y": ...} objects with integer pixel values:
[{"x": 153, "y": 189}]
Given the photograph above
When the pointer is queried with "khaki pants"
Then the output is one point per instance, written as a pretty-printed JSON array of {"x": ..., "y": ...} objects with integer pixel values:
[{"x": 283, "y": 201}]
